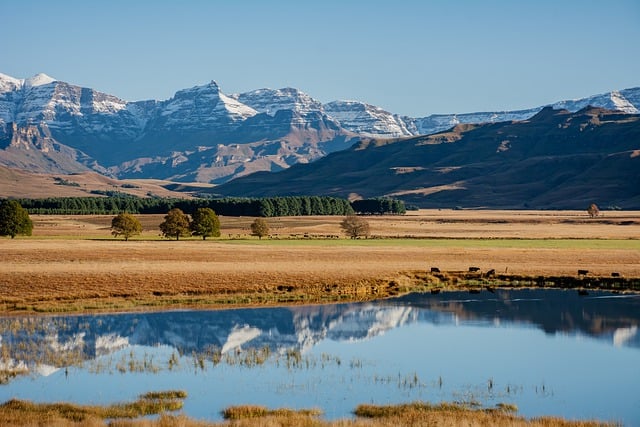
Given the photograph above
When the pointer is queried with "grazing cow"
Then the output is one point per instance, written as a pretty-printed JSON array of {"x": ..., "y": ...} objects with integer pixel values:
[
  {"x": 583, "y": 272},
  {"x": 435, "y": 270},
  {"x": 474, "y": 269},
  {"x": 615, "y": 274}
]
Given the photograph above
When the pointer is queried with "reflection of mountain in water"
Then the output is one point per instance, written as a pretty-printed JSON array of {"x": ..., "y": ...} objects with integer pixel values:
[
  {"x": 603, "y": 315},
  {"x": 606, "y": 316}
]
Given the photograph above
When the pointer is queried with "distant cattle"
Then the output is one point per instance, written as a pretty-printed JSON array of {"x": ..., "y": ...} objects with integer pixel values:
[
  {"x": 435, "y": 270},
  {"x": 615, "y": 274},
  {"x": 491, "y": 272},
  {"x": 583, "y": 272},
  {"x": 474, "y": 269}
]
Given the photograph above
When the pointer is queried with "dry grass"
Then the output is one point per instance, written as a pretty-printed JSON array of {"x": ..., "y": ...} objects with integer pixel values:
[
  {"x": 72, "y": 264},
  {"x": 24, "y": 413},
  {"x": 20, "y": 413},
  {"x": 16, "y": 183}
]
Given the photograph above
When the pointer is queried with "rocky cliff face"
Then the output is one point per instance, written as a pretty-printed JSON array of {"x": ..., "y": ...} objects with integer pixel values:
[
  {"x": 199, "y": 134},
  {"x": 368, "y": 120}
]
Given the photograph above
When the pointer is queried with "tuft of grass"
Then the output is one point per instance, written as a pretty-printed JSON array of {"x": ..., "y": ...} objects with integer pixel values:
[
  {"x": 21, "y": 412},
  {"x": 507, "y": 407},
  {"x": 164, "y": 395},
  {"x": 242, "y": 412},
  {"x": 387, "y": 411}
]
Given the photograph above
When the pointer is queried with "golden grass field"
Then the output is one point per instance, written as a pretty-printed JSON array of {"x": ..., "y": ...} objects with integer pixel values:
[{"x": 72, "y": 263}]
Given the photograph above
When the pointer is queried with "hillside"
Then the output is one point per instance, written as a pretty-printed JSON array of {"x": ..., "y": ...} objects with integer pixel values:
[
  {"x": 16, "y": 183},
  {"x": 556, "y": 159}
]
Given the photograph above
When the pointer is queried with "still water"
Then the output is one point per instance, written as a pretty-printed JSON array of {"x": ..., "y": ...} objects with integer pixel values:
[{"x": 548, "y": 352}]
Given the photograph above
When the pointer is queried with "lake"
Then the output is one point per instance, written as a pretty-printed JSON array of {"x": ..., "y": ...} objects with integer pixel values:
[{"x": 550, "y": 352}]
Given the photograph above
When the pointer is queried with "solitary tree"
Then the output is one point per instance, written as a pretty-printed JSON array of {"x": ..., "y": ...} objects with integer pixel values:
[
  {"x": 125, "y": 225},
  {"x": 354, "y": 226},
  {"x": 205, "y": 223},
  {"x": 176, "y": 224},
  {"x": 593, "y": 210},
  {"x": 14, "y": 219},
  {"x": 259, "y": 228}
]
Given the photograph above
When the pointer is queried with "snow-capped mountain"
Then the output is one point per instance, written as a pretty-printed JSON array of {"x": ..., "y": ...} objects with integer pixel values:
[
  {"x": 627, "y": 101},
  {"x": 202, "y": 134},
  {"x": 368, "y": 120},
  {"x": 199, "y": 134},
  {"x": 271, "y": 101}
]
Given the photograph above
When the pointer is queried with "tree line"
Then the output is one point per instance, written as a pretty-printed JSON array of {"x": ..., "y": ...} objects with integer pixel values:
[{"x": 259, "y": 207}]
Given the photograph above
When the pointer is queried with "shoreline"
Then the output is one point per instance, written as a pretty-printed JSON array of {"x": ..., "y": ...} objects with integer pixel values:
[{"x": 283, "y": 296}]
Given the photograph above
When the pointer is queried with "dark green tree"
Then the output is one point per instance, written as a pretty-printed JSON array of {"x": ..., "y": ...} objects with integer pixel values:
[
  {"x": 205, "y": 223},
  {"x": 14, "y": 219},
  {"x": 125, "y": 225},
  {"x": 259, "y": 228},
  {"x": 355, "y": 227},
  {"x": 176, "y": 224}
]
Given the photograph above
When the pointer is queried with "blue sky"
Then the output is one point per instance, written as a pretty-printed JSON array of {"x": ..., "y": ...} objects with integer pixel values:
[{"x": 409, "y": 57}]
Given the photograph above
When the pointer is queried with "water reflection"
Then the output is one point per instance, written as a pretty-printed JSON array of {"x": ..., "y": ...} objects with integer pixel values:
[{"x": 450, "y": 346}]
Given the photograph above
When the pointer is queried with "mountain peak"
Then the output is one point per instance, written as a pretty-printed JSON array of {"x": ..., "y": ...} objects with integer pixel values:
[
  {"x": 39, "y": 79},
  {"x": 271, "y": 101}
]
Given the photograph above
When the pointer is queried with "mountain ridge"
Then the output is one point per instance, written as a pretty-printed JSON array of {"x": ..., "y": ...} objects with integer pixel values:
[
  {"x": 555, "y": 160},
  {"x": 202, "y": 134}
]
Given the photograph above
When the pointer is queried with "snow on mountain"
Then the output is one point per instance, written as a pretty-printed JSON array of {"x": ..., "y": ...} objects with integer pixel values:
[
  {"x": 202, "y": 106},
  {"x": 271, "y": 101},
  {"x": 10, "y": 89},
  {"x": 265, "y": 129},
  {"x": 38, "y": 80},
  {"x": 614, "y": 100},
  {"x": 633, "y": 96},
  {"x": 627, "y": 101},
  {"x": 8, "y": 83},
  {"x": 366, "y": 119},
  {"x": 439, "y": 122}
]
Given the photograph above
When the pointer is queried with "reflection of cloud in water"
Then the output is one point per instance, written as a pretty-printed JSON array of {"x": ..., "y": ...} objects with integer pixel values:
[
  {"x": 239, "y": 336},
  {"x": 622, "y": 335}
]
